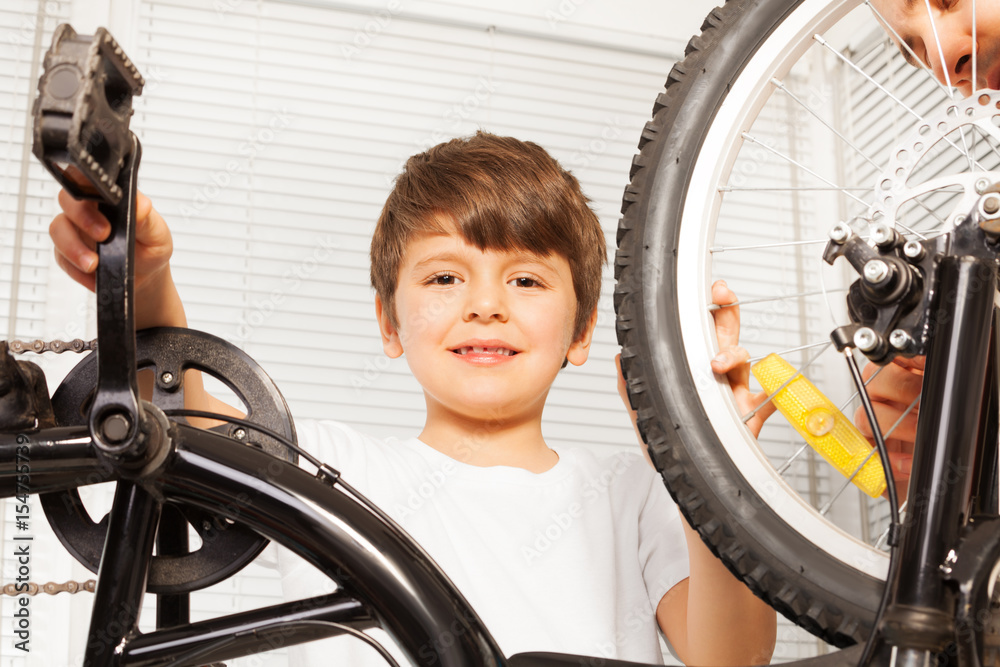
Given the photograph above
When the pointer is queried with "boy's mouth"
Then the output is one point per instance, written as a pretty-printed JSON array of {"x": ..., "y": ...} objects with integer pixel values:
[{"x": 477, "y": 349}]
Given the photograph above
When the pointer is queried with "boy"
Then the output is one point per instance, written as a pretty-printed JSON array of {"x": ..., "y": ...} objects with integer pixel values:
[{"x": 486, "y": 262}]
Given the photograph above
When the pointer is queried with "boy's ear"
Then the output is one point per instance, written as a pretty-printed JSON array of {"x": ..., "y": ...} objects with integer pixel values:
[
  {"x": 390, "y": 334},
  {"x": 579, "y": 350}
]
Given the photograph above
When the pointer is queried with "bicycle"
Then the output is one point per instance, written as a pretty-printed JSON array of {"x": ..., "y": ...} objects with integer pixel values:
[
  {"x": 188, "y": 475},
  {"x": 725, "y": 146}
]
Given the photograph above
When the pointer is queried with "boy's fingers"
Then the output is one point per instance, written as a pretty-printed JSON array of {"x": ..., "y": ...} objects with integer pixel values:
[
  {"x": 888, "y": 415},
  {"x": 916, "y": 363},
  {"x": 766, "y": 409},
  {"x": 151, "y": 228},
  {"x": 727, "y": 319},
  {"x": 895, "y": 383},
  {"x": 730, "y": 358},
  {"x": 70, "y": 246},
  {"x": 84, "y": 215},
  {"x": 88, "y": 280}
]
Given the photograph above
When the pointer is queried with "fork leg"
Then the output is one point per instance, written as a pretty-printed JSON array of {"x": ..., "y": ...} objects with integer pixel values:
[{"x": 920, "y": 616}]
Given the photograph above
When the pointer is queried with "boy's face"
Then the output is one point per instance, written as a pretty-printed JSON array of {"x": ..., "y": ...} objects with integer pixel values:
[
  {"x": 951, "y": 20},
  {"x": 485, "y": 333}
]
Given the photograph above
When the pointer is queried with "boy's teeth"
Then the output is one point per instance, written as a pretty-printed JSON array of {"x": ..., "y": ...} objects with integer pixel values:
[{"x": 485, "y": 350}]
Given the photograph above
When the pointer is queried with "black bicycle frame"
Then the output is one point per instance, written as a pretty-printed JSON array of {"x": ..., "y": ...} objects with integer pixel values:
[{"x": 369, "y": 557}]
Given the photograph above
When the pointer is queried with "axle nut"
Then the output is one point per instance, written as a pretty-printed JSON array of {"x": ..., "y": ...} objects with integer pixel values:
[
  {"x": 115, "y": 428},
  {"x": 991, "y": 204}
]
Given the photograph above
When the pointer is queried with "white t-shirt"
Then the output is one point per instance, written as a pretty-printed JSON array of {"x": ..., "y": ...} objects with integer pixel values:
[{"x": 571, "y": 560}]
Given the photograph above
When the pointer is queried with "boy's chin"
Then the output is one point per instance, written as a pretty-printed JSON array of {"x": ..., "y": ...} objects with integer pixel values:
[{"x": 485, "y": 408}]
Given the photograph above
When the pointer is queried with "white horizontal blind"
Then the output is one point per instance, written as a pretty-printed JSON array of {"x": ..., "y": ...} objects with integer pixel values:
[{"x": 26, "y": 189}]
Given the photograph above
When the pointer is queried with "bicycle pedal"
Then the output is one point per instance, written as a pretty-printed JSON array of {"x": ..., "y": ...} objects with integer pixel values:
[{"x": 821, "y": 424}]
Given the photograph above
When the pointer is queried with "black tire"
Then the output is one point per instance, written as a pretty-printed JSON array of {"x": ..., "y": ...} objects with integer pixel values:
[{"x": 828, "y": 597}]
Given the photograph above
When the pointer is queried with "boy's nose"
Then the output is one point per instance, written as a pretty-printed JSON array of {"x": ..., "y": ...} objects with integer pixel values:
[{"x": 486, "y": 303}]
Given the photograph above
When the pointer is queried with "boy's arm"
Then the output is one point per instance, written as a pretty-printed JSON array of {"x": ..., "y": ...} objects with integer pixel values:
[
  {"x": 712, "y": 618},
  {"x": 76, "y": 232}
]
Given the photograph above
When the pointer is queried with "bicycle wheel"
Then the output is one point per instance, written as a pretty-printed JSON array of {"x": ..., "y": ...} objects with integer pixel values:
[{"x": 783, "y": 119}]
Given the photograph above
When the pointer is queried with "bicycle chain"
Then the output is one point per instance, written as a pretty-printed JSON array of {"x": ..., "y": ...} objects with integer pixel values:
[
  {"x": 57, "y": 346},
  {"x": 51, "y": 588},
  {"x": 40, "y": 347}
]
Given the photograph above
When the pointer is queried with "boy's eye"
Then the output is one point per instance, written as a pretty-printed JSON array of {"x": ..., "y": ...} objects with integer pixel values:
[
  {"x": 443, "y": 279},
  {"x": 525, "y": 281}
]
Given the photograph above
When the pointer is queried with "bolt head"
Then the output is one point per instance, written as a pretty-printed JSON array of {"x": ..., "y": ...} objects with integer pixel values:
[
  {"x": 981, "y": 185},
  {"x": 865, "y": 339},
  {"x": 840, "y": 232},
  {"x": 876, "y": 271},
  {"x": 240, "y": 434},
  {"x": 899, "y": 339},
  {"x": 167, "y": 377},
  {"x": 913, "y": 250},
  {"x": 882, "y": 234}
]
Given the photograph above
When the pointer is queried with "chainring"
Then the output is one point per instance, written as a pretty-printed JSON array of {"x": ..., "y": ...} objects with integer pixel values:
[{"x": 226, "y": 546}]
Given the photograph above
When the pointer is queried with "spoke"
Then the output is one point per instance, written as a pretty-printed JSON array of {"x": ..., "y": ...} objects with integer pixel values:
[
  {"x": 768, "y": 299},
  {"x": 826, "y": 508},
  {"x": 975, "y": 52},
  {"x": 985, "y": 139},
  {"x": 781, "y": 86},
  {"x": 793, "y": 349},
  {"x": 785, "y": 188},
  {"x": 766, "y": 245},
  {"x": 940, "y": 49},
  {"x": 886, "y": 92},
  {"x": 752, "y": 139},
  {"x": 745, "y": 418},
  {"x": 913, "y": 231}
]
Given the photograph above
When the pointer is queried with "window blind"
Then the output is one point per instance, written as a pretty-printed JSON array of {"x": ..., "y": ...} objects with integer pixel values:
[{"x": 272, "y": 133}]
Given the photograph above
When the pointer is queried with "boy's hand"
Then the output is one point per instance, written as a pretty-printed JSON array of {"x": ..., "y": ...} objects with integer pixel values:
[
  {"x": 77, "y": 230},
  {"x": 892, "y": 392},
  {"x": 732, "y": 360}
]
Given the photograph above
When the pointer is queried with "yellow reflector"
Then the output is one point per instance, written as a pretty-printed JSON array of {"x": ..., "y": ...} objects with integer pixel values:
[{"x": 823, "y": 426}]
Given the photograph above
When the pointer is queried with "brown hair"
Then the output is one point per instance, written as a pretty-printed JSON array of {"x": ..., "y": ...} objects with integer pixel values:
[{"x": 500, "y": 193}]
